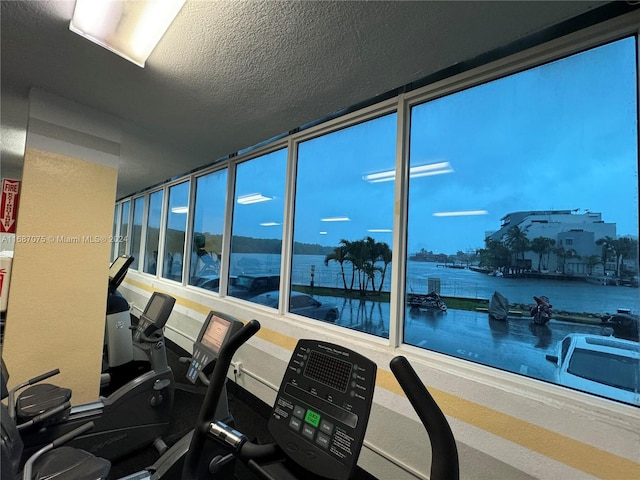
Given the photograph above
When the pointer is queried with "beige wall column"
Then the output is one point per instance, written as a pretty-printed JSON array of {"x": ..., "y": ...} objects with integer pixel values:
[{"x": 57, "y": 304}]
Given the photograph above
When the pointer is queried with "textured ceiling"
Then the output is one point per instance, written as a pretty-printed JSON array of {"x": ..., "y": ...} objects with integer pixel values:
[{"x": 230, "y": 74}]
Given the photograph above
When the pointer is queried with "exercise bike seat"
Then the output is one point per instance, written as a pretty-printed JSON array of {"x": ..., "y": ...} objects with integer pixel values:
[
  {"x": 40, "y": 398},
  {"x": 68, "y": 463},
  {"x": 59, "y": 462}
]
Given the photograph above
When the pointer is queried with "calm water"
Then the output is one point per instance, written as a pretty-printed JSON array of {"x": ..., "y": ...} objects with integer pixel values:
[{"x": 572, "y": 296}]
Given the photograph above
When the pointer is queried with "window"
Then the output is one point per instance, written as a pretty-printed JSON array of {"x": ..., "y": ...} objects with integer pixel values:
[
  {"x": 114, "y": 247},
  {"x": 499, "y": 175},
  {"x": 208, "y": 225},
  {"x": 175, "y": 231},
  {"x": 521, "y": 189},
  {"x": 343, "y": 224},
  {"x": 122, "y": 239},
  {"x": 256, "y": 241},
  {"x": 136, "y": 231},
  {"x": 152, "y": 240}
]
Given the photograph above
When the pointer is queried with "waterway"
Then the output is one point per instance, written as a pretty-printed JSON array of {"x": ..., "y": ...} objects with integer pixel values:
[
  {"x": 569, "y": 296},
  {"x": 515, "y": 345}
]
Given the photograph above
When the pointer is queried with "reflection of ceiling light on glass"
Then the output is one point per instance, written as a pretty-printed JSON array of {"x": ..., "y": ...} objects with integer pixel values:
[
  {"x": 253, "y": 198},
  {"x": 462, "y": 213},
  {"x": 438, "y": 168},
  {"x": 323, "y": 233},
  {"x": 379, "y": 230},
  {"x": 269, "y": 224},
  {"x": 335, "y": 219},
  {"x": 179, "y": 209},
  {"x": 131, "y": 29}
]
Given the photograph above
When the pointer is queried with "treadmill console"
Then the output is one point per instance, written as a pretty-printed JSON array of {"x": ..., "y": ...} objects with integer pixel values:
[
  {"x": 216, "y": 330},
  {"x": 321, "y": 412},
  {"x": 155, "y": 314}
]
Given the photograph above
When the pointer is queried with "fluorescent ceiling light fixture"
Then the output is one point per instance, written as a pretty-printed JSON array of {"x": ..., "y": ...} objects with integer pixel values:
[
  {"x": 379, "y": 230},
  {"x": 437, "y": 168},
  {"x": 131, "y": 29},
  {"x": 253, "y": 198},
  {"x": 179, "y": 209},
  {"x": 335, "y": 219},
  {"x": 462, "y": 213},
  {"x": 269, "y": 224}
]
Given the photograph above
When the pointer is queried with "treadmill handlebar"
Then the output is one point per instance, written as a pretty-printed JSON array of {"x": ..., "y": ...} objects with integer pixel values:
[
  {"x": 444, "y": 453},
  {"x": 214, "y": 391}
]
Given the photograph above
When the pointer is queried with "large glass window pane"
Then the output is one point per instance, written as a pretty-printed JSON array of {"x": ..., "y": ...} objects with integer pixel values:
[
  {"x": 256, "y": 242},
  {"x": 136, "y": 231},
  {"x": 208, "y": 225},
  {"x": 175, "y": 231},
  {"x": 114, "y": 246},
  {"x": 343, "y": 226},
  {"x": 121, "y": 240},
  {"x": 152, "y": 240},
  {"x": 523, "y": 223}
]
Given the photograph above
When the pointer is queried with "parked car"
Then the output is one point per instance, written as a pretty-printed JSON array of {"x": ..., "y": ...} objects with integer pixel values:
[
  {"x": 300, "y": 304},
  {"x": 247, "y": 286},
  {"x": 624, "y": 325},
  {"x": 605, "y": 366}
]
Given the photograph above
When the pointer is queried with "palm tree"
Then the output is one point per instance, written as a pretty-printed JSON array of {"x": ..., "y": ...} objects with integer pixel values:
[
  {"x": 339, "y": 255},
  {"x": 363, "y": 255},
  {"x": 592, "y": 261},
  {"x": 626, "y": 248},
  {"x": 495, "y": 255},
  {"x": 384, "y": 251},
  {"x": 358, "y": 255},
  {"x": 608, "y": 247},
  {"x": 541, "y": 246},
  {"x": 565, "y": 254},
  {"x": 517, "y": 241},
  {"x": 369, "y": 271}
]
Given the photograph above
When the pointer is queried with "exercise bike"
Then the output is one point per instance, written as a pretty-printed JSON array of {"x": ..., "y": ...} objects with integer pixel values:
[{"x": 135, "y": 415}]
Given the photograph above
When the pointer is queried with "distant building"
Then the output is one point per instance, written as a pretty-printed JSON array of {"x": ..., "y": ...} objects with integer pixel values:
[{"x": 570, "y": 230}]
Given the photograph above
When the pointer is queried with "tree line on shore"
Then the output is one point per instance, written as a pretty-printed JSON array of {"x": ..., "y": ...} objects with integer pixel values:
[{"x": 510, "y": 252}]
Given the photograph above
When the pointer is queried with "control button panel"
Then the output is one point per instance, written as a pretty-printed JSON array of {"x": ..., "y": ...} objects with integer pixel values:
[
  {"x": 200, "y": 359},
  {"x": 322, "y": 408}
]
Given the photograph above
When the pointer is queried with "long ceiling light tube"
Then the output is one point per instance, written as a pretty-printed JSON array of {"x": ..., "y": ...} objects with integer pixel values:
[{"x": 131, "y": 29}]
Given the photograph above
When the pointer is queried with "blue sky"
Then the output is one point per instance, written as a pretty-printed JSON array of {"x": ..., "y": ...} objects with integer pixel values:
[{"x": 559, "y": 136}]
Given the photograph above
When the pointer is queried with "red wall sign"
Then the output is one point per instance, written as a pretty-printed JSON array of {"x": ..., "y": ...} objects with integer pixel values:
[{"x": 9, "y": 205}]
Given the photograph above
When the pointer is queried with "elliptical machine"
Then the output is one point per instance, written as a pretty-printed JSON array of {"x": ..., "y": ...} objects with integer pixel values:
[{"x": 133, "y": 416}]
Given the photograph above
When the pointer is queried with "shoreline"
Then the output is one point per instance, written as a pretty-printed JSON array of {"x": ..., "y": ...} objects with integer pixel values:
[{"x": 457, "y": 303}]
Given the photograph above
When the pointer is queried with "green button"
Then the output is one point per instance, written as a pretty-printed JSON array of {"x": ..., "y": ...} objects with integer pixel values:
[{"x": 312, "y": 418}]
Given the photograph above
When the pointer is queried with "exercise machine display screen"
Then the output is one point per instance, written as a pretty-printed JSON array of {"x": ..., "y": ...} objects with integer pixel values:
[
  {"x": 118, "y": 270},
  {"x": 216, "y": 330},
  {"x": 322, "y": 409},
  {"x": 155, "y": 314},
  {"x": 215, "y": 333}
]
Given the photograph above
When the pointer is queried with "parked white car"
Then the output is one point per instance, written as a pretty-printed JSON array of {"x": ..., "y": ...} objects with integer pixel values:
[
  {"x": 301, "y": 304},
  {"x": 605, "y": 366}
]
